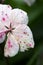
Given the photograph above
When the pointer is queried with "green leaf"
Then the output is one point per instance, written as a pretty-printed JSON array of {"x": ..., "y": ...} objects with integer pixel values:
[
  {"x": 2, "y": 62},
  {"x": 37, "y": 51}
]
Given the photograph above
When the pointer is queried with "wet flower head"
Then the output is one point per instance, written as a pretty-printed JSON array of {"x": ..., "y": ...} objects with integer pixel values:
[{"x": 13, "y": 23}]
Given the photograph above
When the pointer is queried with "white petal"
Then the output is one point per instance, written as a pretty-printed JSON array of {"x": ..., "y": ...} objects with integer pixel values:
[
  {"x": 2, "y": 27},
  {"x": 11, "y": 47},
  {"x": 5, "y": 11},
  {"x": 24, "y": 36},
  {"x": 29, "y": 2},
  {"x": 4, "y": 7},
  {"x": 2, "y": 32},
  {"x": 2, "y": 37},
  {"x": 19, "y": 16}
]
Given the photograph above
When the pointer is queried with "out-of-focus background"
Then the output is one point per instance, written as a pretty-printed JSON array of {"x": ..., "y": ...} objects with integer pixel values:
[{"x": 35, "y": 12}]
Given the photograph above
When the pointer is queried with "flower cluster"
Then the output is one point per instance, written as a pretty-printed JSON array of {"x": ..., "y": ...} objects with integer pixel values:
[{"x": 13, "y": 23}]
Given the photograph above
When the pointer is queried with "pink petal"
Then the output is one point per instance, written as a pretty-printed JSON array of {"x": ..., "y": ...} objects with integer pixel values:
[
  {"x": 24, "y": 37},
  {"x": 19, "y": 16},
  {"x": 5, "y": 11},
  {"x": 11, "y": 48},
  {"x": 2, "y": 37},
  {"x": 2, "y": 32}
]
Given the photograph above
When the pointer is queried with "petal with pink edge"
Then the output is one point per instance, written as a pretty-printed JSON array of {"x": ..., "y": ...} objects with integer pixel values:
[
  {"x": 5, "y": 11},
  {"x": 2, "y": 32},
  {"x": 19, "y": 16},
  {"x": 11, "y": 48},
  {"x": 24, "y": 37}
]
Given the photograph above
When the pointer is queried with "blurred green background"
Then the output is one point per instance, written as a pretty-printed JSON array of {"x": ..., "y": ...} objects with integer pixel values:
[{"x": 32, "y": 56}]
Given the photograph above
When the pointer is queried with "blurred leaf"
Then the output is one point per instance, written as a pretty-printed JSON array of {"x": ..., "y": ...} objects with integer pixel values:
[
  {"x": 37, "y": 28},
  {"x": 1, "y": 1},
  {"x": 37, "y": 51},
  {"x": 2, "y": 62},
  {"x": 35, "y": 11}
]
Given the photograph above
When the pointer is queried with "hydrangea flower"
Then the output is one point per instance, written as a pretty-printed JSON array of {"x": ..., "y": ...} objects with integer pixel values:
[{"x": 13, "y": 23}]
